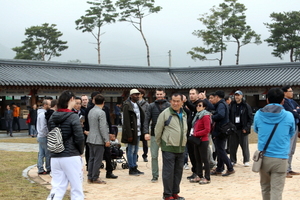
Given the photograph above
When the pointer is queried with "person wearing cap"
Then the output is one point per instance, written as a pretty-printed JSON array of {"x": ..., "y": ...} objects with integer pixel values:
[
  {"x": 132, "y": 129},
  {"x": 240, "y": 115}
]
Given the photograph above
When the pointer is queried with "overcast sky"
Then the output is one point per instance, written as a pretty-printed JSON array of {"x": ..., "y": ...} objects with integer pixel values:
[{"x": 170, "y": 29}]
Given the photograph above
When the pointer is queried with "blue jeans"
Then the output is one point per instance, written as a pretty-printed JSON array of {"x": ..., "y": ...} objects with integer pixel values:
[
  {"x": 32, "y": 130},
  {"x": 132, "y": 151},
  {"x": 43, "y": 153}
]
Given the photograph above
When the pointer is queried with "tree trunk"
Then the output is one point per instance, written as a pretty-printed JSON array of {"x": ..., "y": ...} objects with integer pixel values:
[
  {"x": 221, "y": 59},
  {"x": 238, "y": 52},
  {"x": 146, "y": 43},
  {"x": 98, "y": 46},
  {"x": 291, "y": 55}
]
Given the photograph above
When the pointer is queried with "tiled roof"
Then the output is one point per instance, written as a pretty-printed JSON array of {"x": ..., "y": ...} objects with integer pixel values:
[
  {"x": 79, "y": 75},
  {"x": 239, "y": 76},
  {"x": 36, "y": 73}
]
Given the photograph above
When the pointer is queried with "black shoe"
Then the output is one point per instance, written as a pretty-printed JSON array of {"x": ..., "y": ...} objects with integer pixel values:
[
  {"x": 192, "y": 176},
  {"x": 145, "y": 159},
  {"x": 154, "y": 179},
  {"x": 133, "y": 172},
  {"x": 111, "y": 175},
  {"x": 139, "y": 172}
]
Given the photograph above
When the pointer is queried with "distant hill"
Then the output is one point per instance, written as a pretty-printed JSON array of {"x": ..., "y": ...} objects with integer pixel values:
[{"x": 6, "y": 52}]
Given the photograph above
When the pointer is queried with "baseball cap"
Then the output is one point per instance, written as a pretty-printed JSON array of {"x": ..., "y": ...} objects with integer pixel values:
[{"x": 239, "y": 92}]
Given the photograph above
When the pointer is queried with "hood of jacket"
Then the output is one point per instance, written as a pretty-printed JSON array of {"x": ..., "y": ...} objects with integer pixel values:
[
  {"x": 59, "y": 117},
  {"x": 272, "y": 113}
]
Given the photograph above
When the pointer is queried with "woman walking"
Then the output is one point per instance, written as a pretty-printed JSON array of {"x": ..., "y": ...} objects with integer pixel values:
[
  {"x": 66, "y": 167},
  {"x": 202, "y": 126}
]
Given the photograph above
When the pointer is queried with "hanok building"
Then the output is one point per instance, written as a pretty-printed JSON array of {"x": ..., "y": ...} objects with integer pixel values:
[{"x": 27, "y": 82}]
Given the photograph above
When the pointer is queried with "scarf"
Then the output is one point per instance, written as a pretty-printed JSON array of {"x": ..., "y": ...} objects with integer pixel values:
[{"x": 199, "y": 115}]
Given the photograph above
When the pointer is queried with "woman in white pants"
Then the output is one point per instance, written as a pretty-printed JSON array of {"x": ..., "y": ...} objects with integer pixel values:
[{"x": 66, "y": 167}]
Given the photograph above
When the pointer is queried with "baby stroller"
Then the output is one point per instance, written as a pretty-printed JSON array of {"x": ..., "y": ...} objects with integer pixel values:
[{"x": 117, "y": 154}]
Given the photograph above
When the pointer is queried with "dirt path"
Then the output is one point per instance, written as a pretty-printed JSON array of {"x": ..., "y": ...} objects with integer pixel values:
[{"x": 243, "y": 185}]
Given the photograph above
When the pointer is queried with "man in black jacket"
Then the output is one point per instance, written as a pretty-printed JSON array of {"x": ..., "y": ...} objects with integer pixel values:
[
  {"x": 132, "y": 129},
  {"x": 240, "y": 115},
  {"x": 154, "y": 109},
  {"x": 293, "y": 107}
]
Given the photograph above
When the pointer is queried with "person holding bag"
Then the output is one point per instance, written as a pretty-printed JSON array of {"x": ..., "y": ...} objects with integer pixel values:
[
  {"x": 66, "y": 166},
  {"x": 273, "y": 169},
  {"x": 201, "y": 129}
]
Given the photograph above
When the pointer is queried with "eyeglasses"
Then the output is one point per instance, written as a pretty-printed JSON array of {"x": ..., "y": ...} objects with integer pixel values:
[{"x": 199, "y": 105}]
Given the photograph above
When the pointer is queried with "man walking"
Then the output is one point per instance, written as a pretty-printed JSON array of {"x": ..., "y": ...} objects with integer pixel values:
[
  {"x": 170, "y": 134},
  {"x": 97, "y": 139},
  {"x": 132, "y": 129},
  {"x": 154, "y": 109},
  {"x": 291, "y": 106},
  {"x": 240, "y": 115},
  {"x": 220, "y": 117},
  {"x": 273, "y": 169},
  {"x": 42, "y": 130}
]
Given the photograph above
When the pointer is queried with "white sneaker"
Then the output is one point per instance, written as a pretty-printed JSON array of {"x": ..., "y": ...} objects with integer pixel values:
[
  {"x": 186, "y": 166},
  {"x": 246, "y": 164}
]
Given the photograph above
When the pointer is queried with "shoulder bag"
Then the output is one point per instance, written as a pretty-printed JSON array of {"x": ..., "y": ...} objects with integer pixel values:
[{"x": 259, "y": 155}]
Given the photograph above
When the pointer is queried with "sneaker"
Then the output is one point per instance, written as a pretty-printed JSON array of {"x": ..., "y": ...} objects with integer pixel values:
[
  {"x": 138, "y": 171},
  {"x": 98, "y": 181},
  {"x": 145, "y": 159},
  {"x": 233, "y": 163},
  {"x": 42, "y": 173},
  {"x": 204, "y": 181},
  {"x": 167, "y": 198},
  {"x": 195, "y": 180},
  {"x": 288, "y": 175},
  {"x": 294, "y": 173},
  {"x": 176, "y": 196},
  {"x": 228, "y": 173},
  {"x": 192, "y": 176},
  {"x": 132, "y": 172},
  {"x": 154, "y": 180},
  {"x": 246, "y": 164},
  {"x": 186, "y": 166},
  {"x": 215, "y": 173}
]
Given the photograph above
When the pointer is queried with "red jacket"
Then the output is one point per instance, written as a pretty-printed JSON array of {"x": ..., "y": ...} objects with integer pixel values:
[{"x": 202, "y": 128}]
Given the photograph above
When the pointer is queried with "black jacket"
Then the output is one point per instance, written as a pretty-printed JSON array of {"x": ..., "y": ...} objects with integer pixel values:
[
  {"x": 129, "y": 128},
  {"x": 220, "y": 116},
  {"x": 154, "y": 109},
  {"x": 246, "y": 117},
  {"x": 71, "y": 133}
]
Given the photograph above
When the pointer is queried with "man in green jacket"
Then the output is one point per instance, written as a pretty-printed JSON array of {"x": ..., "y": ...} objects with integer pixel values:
[{"x": 170, "y": 134}]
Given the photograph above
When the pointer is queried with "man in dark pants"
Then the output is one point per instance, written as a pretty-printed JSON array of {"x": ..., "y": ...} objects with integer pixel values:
[
  {"x": 107, "y": 153},
  {"x": 241, "y": 116},
  {"x": 293, "y": 107},
  {"x": 220, "y": 117},
  {"x": 170, "y": 134}
]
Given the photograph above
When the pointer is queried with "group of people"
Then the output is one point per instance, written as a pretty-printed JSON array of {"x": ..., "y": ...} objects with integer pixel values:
[
  {"x": 169, "y": 125},
  {"x": 175, "y": 123}
]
